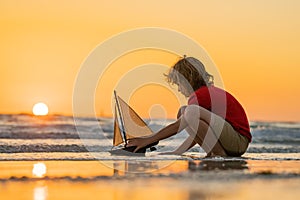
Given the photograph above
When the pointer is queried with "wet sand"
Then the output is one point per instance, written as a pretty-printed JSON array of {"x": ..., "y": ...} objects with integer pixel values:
[{"x": 164, "y": 179}]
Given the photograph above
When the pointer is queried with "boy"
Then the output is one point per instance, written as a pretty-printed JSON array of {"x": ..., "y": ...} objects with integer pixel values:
[{"x": 214, "y": 119}]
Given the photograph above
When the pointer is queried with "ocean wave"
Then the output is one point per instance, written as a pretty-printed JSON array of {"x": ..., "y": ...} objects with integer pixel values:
[
  {"x": 273, "y": 150},
  {"x": 40, "y": 135},
  {"x": 275, "y": 125},
  {"x": 61, "y": 134},
  {"x": 51, "y": 148}
]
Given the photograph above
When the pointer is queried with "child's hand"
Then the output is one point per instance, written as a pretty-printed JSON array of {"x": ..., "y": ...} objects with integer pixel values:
[{"x": 138, "y": 142}]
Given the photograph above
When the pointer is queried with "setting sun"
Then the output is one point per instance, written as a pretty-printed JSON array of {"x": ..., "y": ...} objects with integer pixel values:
[
  {"x": 39, "y": 169},
  {"x": 40, "y": 109}
]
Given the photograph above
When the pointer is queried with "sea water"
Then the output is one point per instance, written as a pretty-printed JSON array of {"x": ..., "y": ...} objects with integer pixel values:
[{"x": 27, "y": 137}]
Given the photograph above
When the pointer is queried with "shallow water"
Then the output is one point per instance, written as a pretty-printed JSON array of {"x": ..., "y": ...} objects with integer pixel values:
[{"x": 27, "y": 136}]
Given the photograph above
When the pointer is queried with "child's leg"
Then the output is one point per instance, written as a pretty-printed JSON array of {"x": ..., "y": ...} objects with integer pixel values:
[{"x": 198, "y": 120}]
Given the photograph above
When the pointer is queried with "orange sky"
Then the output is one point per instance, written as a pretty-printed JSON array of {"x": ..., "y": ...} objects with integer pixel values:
[{"x": 255, "y": 45}]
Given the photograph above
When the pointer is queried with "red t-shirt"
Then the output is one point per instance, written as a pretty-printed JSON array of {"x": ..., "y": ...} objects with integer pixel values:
[{"x": 223, "y": 104}]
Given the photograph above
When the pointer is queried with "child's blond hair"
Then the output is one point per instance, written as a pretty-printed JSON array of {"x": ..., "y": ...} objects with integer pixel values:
[{"x": 192, "y": 70}]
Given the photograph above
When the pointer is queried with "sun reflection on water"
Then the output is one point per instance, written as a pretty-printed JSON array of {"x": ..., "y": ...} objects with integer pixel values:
[{"x": 40, "y": 193}]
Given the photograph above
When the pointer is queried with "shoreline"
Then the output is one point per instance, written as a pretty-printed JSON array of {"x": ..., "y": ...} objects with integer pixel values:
[
  {"x": 90, "y": 170},
  {"x": 105, "y": 156},
  {"x": 185, "y": 179}
]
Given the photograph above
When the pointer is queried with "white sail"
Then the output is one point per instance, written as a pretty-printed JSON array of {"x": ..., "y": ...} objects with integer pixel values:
[
  {"x": 117, "y": 133},
  {"x": 133, "y": 124}
]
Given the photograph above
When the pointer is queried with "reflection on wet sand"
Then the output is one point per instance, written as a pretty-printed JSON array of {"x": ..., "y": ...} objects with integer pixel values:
[
  {"x": 40, "y": 193},
  {"x": 86, "y": 170},
  {"x": 122, "y": 168},
  {"x": 218, "y": 165},
  {"x": 179, "y": 179},
  {"x": 152, "y": 188}
]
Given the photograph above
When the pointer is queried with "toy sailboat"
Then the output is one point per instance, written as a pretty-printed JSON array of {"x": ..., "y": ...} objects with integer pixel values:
[{"x": 127, "y": 125}]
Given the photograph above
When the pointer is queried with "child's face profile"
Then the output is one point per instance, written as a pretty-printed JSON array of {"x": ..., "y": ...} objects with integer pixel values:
[{"x": 183, "y": 89}]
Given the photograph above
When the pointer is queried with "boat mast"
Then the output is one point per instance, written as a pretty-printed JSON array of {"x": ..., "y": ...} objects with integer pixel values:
[{"x": 121, "y": 117}]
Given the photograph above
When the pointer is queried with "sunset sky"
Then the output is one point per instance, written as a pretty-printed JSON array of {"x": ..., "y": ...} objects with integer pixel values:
[{"x": 254, "y": 44}]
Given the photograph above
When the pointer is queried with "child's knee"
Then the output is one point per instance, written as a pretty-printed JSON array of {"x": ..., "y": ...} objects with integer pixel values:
[{"x": 192, "y": 113}]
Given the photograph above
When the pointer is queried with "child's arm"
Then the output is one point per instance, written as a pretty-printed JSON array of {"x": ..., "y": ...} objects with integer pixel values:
[
  {"x": 165, "y": 132},
  {"x": 186, "y": 145}
]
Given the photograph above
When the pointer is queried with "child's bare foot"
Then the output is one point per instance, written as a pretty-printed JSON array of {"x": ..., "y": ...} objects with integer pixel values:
[
  {"x": 208, "y": 155},
  {"x": 219, "y": 154}
]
